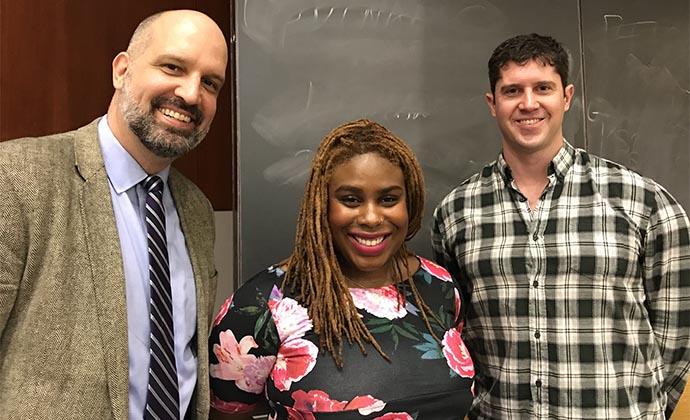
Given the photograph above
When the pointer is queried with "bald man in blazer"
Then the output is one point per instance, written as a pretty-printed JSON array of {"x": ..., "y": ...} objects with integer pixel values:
[{"x": 70, "y": 297}]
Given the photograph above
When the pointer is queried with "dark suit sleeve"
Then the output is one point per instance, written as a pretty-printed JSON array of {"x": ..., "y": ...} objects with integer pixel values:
[{"x": 13, "y": 245}]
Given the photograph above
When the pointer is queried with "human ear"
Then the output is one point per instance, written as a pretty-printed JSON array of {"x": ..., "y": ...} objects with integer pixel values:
[
  {"x": 120, "y": 66},
  {"x": 490, "y": 100},
  {"x": 568, "y": 96}
]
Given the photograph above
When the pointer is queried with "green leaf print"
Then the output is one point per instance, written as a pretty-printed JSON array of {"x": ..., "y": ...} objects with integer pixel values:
[
  {"x": 432, "y": 355},
  {"x": 450, "y": 293},
  {"x": 400, "y": 330},
  {"x": 376, "y": 321},
  {"x": 430, "y": 348},
  {"x": 381, "y": 329},
  {"x": 261, "y": 322},
  {"x": 249, "y": 310},
  {"x": 396, "y": 339},
  {"x": 428, "y": 278}
]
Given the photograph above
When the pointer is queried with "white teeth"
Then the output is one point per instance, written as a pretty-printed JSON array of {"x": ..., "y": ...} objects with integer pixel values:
[
  {"x": 176, "y": 115},
  {"x": 531, "y": 121},
  {"x": 369, "y": 242}
]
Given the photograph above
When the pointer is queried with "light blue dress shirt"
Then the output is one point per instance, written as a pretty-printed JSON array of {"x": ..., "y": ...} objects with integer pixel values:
[{"x": 125, "y": 174}]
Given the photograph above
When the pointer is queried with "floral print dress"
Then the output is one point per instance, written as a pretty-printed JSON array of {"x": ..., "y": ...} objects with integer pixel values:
[{"x": 263, "y": 345}]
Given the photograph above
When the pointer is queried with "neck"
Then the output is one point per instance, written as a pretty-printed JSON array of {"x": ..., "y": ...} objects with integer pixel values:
[
  {"x": 150, "y": 162},
  {"x": 376, "y": 280},
  {"x": 364, "y": 280},
  {"x": 530, "y": 168}
]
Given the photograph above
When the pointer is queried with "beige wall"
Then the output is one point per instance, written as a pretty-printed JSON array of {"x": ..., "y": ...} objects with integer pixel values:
[{"x": 224, "y": 255}]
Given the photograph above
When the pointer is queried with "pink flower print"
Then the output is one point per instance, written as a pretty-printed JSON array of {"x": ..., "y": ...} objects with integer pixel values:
[
  {"x": 296, "y": 358},
  {"x": 291, "y": 319},
  {"x": 230, "y": 406},
  {"x": 223, "y": 310},
  {"x": 235, "y": 364},
  {"x": 382, "y": 302},
  {"x": 395, "y": 416},
  {"x": 456, "y": 354},
  {"x": 298, "y": 415},
  {"x": 458, "y": 305},
  {"x": 256, "y": 373},
  {"x": 317, "y": 401},
  {"x": 435, "y": 269},
  {"x": 275, "y": 296},
  {"x": 365, "y": 404}
]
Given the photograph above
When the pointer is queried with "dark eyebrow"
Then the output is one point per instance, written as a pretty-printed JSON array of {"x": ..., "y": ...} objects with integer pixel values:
[
  {"x": 513, "y": 86},
  {"x": 519, "y": 86},
  {"x": 352, "y": 188},
  {"x": 391, "y": 189}
]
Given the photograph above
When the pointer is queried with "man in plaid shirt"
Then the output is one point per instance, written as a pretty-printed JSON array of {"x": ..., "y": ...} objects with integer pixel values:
[{"x": 575, "y": 270}]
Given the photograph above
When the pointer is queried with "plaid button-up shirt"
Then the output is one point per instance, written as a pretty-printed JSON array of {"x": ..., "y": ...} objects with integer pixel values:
[{"x": 579, "y": 308}]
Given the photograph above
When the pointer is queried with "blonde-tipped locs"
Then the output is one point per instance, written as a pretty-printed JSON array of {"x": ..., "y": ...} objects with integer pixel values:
[{"x": 313, "y": 271}]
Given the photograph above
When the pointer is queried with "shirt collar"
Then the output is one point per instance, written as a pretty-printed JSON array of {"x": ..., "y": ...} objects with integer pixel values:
[
  {"x": 560, "y": 164},
  {"x": 563, "y": 161},
  {"x": 123, "y": 170}
]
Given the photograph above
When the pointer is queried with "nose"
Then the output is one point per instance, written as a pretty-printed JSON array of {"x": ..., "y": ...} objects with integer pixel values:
[
  {"x": 529, "y": 101},
  {"x": 370, "y": 215},
  {"x": 189, "y": 90}
]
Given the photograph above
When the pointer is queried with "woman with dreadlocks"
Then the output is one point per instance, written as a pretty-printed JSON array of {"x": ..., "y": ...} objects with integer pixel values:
[{"x": 351, "y": 325}]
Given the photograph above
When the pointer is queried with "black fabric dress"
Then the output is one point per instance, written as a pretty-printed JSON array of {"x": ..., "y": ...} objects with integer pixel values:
[{"x": 263, "y": 344}]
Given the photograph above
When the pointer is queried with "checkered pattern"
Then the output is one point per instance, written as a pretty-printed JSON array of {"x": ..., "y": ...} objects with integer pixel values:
[
  {"x": 162, "y": 398},
  {"x": 579, "y": 308}
]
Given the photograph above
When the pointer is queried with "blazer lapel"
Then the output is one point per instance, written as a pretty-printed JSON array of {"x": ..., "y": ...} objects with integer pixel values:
[{"x": 105, "y": 257}]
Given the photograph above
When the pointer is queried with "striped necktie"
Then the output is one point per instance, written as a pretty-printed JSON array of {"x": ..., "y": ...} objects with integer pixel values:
[{"x": 162, "y": 398}]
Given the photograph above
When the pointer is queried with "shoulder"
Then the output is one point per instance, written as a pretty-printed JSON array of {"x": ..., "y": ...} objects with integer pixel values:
[
  {"x": 434, "y": 270},
  {"x": 183, "y": 187},
  {"x": 252, "y": 297},
  {"x": 463, "y": 201},
  {"x": 609, "y": 173},
  {"x": 262, "y": 286},
  {"x": 37, "y": 154},
  {"x": 461, "y": 196},
  {"x": 438, "y": 289},
  {"x": 625, "y": 188},
  {"x": 38, "y": 169},
  {"x": 192, "y": 205}
]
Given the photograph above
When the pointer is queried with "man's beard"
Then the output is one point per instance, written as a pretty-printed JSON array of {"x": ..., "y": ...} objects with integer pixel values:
[{"x": 163, "y": 141}]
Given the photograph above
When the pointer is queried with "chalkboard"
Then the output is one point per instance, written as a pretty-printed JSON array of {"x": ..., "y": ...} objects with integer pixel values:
[
  {"x": 419, "y": 68},
  {"x": 637, "y": 84}
]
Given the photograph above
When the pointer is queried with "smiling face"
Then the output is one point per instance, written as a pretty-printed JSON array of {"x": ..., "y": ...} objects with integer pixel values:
[
  {"x": 368, "y": 217},
  {"x": 529, "y": 105},
  {"x": 166, "y": 90}
]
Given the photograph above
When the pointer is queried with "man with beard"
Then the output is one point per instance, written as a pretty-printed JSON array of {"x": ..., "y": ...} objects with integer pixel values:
[{"x": 107, "y": 275}]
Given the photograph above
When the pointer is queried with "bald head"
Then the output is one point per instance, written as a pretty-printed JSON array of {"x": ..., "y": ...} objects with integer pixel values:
[
  {"x": 167, "y": 85},
  {"x": 163, "y": 21}
]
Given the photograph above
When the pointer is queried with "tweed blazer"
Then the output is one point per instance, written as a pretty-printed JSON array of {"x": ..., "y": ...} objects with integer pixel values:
[{"x": 63, "y": 315}]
